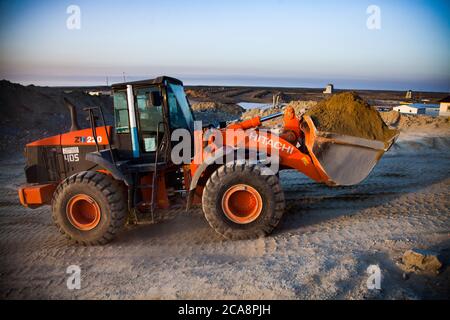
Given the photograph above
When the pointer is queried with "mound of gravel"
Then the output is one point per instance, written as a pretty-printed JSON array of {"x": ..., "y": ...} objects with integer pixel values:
[
  {"x": 214, "y": 112},
  {"x": 28, "y": 113},
  {"x": 299, "y": 106},
  {"x": 406, "y": 122},
  {"x": 229, "y": 108}
]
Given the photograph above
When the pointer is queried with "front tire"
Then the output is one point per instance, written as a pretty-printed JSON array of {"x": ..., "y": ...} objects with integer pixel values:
[
  {"x": 89, "y": 208},
  {"x": 239, "y": 202}
]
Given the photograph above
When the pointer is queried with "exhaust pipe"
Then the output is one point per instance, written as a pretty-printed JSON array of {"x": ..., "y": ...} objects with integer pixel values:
[{"x": 73, "y": 115}]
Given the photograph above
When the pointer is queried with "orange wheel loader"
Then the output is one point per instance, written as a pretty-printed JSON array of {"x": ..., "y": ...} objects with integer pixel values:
[{"x": 96, "y": 178}]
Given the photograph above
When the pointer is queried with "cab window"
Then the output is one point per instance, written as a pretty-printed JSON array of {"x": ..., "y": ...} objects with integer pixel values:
[
  {"x": 179, "y": 110},
  {"x": 150, "y": 119},
  {"x": 121, "y": 112}
]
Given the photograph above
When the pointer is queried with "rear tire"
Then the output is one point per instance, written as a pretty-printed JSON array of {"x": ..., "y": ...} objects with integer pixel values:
[
  {"x": 241, "y": 203},
  {"x": 89, "y": 208}
]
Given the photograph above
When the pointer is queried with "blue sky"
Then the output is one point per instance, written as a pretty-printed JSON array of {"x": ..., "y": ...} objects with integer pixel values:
[{"x": 279, "y": 42}]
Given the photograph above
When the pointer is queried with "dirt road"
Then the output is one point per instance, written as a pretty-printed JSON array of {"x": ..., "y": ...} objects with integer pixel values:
[{"x": 323, "y": 248}]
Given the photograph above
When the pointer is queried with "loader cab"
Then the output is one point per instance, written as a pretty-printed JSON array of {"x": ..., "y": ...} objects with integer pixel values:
[{"x": 145, "y": 114}]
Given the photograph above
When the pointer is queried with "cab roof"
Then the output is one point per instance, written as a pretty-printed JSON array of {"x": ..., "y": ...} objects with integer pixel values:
[{"x": 156, "y": 81}]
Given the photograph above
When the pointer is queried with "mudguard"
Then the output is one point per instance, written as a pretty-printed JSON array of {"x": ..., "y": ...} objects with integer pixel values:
[
  {"x": 103, "y": 159},
  {"x": 218, "y": 154}
]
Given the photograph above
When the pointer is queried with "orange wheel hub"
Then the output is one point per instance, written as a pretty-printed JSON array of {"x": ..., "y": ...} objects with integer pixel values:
[
  {"x": 83, "y": 212},
  {"x": 242, "y": 204}
]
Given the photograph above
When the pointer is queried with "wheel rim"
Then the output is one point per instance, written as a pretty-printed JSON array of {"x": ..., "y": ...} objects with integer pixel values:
[
  {"x": 242, "y": 204},
  {"x": 83, "y": 212}
]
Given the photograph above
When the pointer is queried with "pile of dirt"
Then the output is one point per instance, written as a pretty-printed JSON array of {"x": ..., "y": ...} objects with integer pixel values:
[
  {"x": 300, "y": 108},
  {"x": 214, "y": 112},
  {"x": 348, "y": 114},
  {"x": 229, "y": 108},
  {"x": 28, "y": 113},
  {"x": 417, "y": 123}
]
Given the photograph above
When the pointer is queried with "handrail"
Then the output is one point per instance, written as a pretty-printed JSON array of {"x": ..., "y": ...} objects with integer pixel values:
[
  {"x": 107, "y": 136},
  {"x": 94, "y": 130},
  {"x": 154, "y": 177}
]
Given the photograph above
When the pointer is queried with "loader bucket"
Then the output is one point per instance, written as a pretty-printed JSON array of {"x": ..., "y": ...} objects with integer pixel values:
[{"x": 344, "y": 160}]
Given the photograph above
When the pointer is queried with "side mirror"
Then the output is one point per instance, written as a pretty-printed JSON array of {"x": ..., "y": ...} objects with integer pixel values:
[{"x": 155, "y": 98}]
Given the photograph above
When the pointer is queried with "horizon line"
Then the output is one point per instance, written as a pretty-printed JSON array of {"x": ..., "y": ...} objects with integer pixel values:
[{"x": 223, "y": 84}]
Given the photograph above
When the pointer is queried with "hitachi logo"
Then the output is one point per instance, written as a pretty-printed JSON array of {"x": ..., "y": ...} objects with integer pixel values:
[{"x": 274, "y": 143}]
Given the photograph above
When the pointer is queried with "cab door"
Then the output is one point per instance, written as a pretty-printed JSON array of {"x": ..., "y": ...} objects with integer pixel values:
[{"x": 150, "y": 119}]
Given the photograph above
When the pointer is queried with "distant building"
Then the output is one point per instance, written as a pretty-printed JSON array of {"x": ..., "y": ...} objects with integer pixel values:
[
  {"x": 408, "y": 94},
  {"x": 329, "y": 89},
  {"x": 444, "y": 106},
  {"x": 411, "y": 108}
]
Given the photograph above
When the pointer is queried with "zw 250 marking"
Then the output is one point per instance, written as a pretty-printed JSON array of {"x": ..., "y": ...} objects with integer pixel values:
[{"x": 88, "y": 139}]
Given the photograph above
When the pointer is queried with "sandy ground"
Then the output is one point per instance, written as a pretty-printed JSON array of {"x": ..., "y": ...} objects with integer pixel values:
[{"x": 322, "y": 249}]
